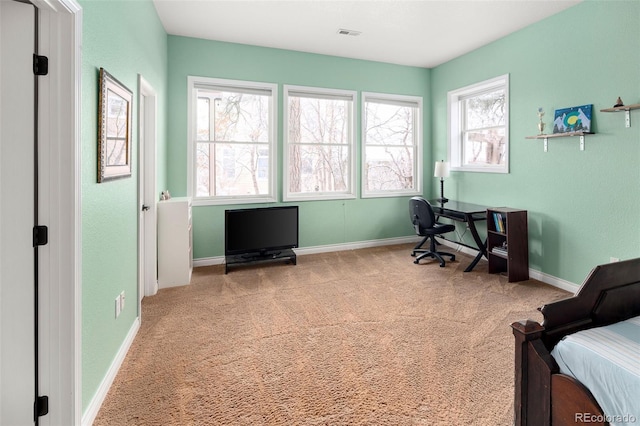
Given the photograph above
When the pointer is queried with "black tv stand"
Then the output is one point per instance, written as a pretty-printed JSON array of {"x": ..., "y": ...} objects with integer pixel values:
[
  {"x": 287, "y": 255},
  {"x": 262, "y": 254}
]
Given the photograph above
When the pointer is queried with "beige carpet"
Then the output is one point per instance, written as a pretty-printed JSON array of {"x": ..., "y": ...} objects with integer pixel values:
[{"x": 361, "y": 337}]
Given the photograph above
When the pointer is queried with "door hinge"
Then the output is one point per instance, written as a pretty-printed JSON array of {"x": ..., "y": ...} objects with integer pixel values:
[
  {"x": 40, "y": 65},
  {"x": 40, "y": 235},
  {"x": 42, "y": 406}
]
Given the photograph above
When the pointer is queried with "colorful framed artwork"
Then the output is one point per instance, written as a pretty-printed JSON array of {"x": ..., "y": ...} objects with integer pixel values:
[
  {"x": 114, "y": 129},
  {"x": 574, "y": 119}
]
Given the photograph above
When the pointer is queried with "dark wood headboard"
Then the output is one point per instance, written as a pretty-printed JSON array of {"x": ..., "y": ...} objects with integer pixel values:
[{"x": 610, "y": 293}]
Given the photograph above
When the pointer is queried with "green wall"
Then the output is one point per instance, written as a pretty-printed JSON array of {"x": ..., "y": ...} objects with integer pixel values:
[
  {"x": 583, "y": 205},
  {"x": 321, "y": 222},
  {"x": 127, "y": 39}
]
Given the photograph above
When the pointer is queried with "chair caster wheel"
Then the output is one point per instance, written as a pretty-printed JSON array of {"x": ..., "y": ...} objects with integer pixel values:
[
  {"x": 417, "y": 262},
  {"x": 453, "y": 258},
  {"x": 442, "y": 265}
]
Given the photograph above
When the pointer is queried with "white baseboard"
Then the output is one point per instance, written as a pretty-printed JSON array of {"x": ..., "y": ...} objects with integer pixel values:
[
  {"x": 356, "y": 245},
  {"x": 458, "y": 247},
  {"x": 219, "y": 260},
  {"x": 96, "y": 402},
  {"x": 537, "y": 275},
  {"x": 208, "y": 261},
  {"x": 553, "y": 281}
]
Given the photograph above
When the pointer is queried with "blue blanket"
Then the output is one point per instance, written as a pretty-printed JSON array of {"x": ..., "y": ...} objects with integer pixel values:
[{"x": 607, "y": 361}]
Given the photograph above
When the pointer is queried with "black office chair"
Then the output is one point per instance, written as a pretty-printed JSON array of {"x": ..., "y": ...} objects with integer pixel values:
[{"x": 424, "y": 221}]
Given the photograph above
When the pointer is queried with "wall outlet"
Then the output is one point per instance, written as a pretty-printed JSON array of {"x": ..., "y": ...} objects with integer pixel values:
[
  {"x": 118, "y": 306},
  {"x": 122, "y": 301},
  {"x": 614, "y": 259}
]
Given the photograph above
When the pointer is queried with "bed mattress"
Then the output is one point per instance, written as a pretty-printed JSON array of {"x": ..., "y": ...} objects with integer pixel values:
[{"x": 607, "y": 361}]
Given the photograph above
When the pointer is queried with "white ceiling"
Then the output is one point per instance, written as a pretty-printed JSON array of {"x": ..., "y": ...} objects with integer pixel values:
[{"x": 423, "y": 33}]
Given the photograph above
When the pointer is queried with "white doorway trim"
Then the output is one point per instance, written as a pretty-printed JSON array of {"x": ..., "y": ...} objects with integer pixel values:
[
  {"x": 60, "y": 131},
  {"x": 147, "y": 191}
]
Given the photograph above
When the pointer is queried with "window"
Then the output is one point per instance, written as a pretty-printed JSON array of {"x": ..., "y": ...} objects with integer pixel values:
[
  {"x": 319, "y": 143},
  {"x": 232, "y": 141},
  {"x": 479, "y": 127},
  {"x": 392, "y": 140}
]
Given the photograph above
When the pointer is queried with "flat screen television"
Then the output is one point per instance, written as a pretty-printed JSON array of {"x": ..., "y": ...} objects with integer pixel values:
[{"x": 260, "y": 231}]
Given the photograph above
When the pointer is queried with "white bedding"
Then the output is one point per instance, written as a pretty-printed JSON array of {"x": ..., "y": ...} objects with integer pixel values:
[{"x": 607, "y": 361}]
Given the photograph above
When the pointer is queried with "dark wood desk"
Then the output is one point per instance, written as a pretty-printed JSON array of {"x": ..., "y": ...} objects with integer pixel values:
[{"x": 468, "y": 213}]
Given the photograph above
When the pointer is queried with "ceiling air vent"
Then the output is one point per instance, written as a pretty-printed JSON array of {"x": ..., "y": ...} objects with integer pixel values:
[{"x": 354, "y": 33}]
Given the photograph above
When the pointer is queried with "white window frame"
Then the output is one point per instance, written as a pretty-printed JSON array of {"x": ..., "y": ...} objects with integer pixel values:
[
  {"x": 455, "y": 148},
  {"x": 317, "y": 92},
  {"x": 403, "y": 100},
  {"x": 193, "y": 84}
]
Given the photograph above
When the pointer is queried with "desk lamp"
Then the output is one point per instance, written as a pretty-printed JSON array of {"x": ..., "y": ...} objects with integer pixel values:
[{"x": 441, "y": 171}]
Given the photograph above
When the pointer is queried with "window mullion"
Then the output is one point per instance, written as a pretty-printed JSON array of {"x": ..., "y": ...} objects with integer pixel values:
[
  {"x": 480, "y": 129},
  {"x": 318, "y": 144}
]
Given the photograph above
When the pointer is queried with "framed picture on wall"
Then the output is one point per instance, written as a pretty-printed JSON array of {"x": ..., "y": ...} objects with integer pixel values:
[
  {"x": 114, "y": 129},
  {"x": 573, "y": 119}
]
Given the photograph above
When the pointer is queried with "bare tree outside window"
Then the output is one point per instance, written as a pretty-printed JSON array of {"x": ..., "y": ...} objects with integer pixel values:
[
  {"x": 319, "y": 144},
  {"x": 484, "y": 130},
  {"x": 390, "y": 146},
  {"x": 479, "y": 126},
  {"x": 233, "y": 136}
]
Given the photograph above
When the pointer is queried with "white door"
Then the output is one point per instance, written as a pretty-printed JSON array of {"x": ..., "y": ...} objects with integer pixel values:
[
  {"x": 147, "y": 197},
  {"x": 17, "y": 342}
]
